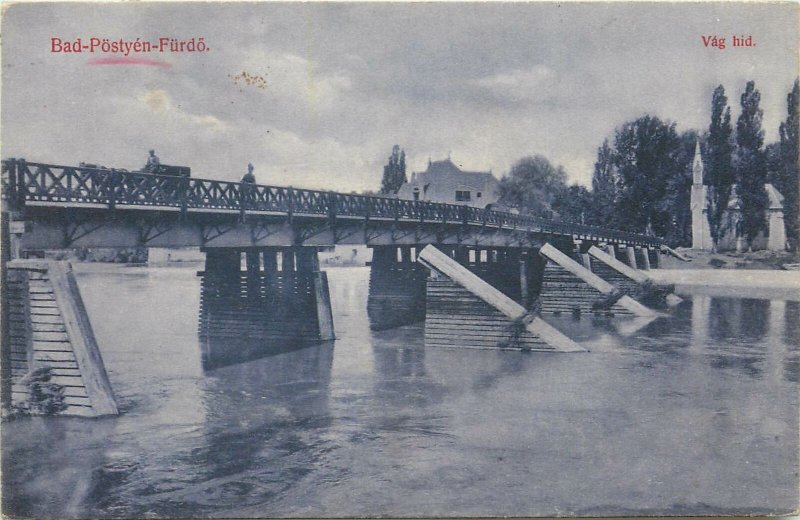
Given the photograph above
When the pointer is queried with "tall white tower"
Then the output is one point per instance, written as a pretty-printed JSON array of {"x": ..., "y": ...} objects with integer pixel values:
[{"x": 701, "y": 236}]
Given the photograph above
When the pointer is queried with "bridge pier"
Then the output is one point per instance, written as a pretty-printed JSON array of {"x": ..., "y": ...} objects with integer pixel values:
[
  {"x": 52, "y": 364},
  {"x": 644, "y": 257},
  {"x": 569, "y": 287},
  {"x": 396, "y": 287},
  {"x": 398, "y": 281},
  {"x": 464, "y": 311},
  {"x": 279, "y": 301}
]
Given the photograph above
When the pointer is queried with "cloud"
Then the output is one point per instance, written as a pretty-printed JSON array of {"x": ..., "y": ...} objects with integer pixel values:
[
  {"x": 160, "y": 103},
  {"x": 296, "y": 80},
  {"x": 535, "y": 83}
]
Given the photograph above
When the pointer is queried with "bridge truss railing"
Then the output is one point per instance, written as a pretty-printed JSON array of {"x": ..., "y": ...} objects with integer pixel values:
[{"x": 25, "y": 182}]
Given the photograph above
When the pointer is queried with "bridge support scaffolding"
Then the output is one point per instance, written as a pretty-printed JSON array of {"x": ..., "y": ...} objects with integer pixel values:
[
  {"x": 465, "y": 311},
  {"x": 397, "y": 290},
  {"x": 632, "y": 282},
  {"x": 569, "y": 287},
  {"x": 51, "y": 362},
  {"x": 279, "y": 301}
]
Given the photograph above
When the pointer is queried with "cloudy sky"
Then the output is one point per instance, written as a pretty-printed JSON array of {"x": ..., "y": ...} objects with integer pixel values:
[{"x": 487, "y": 83}]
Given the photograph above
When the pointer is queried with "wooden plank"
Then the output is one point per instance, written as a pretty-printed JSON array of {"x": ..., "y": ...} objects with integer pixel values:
[
  {"x": 44, "y": 311},
  {"x": 67, "y": 380},
  {"x": 50, "y": 336},
  {"x": 82, "y": 401},
  {"x": 42, "y": 297},
  {"x": 44, "y": 303},
  {"x": 676, "y": 254},
  {"x": 47, "y": 318},
  {"x": 53, "y": 356},
  {"x": 439, "y": 262},
  {"x": 79, "y": 411},
  {"x": 51, "y": 346},
  {"x": 48, "y": 327}
]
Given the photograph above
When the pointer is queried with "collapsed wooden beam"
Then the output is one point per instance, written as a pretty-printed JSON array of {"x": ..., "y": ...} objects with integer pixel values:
[
  {"x": 558, "y": 295},
  {"x": 676, "y": 254},
  {"x": 515, "y": 313}
]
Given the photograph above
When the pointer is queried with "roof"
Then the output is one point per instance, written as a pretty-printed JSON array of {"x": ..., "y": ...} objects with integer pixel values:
[{"x": 446, "y": 168}]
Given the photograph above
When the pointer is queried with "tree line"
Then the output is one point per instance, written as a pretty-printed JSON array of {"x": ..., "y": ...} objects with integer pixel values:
[{"x": 642, "y": 177}]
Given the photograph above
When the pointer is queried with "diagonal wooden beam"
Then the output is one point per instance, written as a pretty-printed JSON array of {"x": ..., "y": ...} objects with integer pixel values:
[{"x": 434, "y": 259}]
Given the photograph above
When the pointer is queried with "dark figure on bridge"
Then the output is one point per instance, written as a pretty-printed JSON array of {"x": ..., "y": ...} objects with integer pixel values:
[
  {"x": 249, "y": 178},
  {"x": 153, "y": 163},
  {"x": 248, "y": 186}
]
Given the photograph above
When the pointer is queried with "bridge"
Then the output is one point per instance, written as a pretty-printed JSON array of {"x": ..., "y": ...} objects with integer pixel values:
[
  {"x": 76, "y": 206},
  {"x": 483, "y": 279}
]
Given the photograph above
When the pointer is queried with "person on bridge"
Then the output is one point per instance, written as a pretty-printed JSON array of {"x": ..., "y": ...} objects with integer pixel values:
[
  {"x": 249, "y": 178},
  {"x": 248, "y": 186},
  {"x": 152, "y": 162}
]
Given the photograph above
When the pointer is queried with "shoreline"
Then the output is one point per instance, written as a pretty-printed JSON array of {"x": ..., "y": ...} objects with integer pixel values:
[{"x": 758, "y": 283}]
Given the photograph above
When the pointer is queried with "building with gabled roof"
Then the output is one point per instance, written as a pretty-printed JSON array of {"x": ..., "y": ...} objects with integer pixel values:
[{"x": 443, "y": 181}]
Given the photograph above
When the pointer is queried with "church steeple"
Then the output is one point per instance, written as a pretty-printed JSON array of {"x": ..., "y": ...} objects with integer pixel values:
[{"x": 697, "y": 166}]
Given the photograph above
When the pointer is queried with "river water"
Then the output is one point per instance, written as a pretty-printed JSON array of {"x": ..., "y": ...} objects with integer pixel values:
[{"x": 693, "y": 414}]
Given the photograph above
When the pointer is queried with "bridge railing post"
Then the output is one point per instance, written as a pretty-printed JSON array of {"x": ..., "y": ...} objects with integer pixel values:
[
  {"x": 242, "y": 200},
  {"x": 183, "y": 188},
  {"x": 21, "y": 188},
  {"x": 332, "y": 207},
  {"x": 11, "y": 170},
  {"x": 111, "y": 192}
]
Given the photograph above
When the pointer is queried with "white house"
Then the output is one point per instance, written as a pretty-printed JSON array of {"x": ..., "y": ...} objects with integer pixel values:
[{"x": 443, "y": 181}]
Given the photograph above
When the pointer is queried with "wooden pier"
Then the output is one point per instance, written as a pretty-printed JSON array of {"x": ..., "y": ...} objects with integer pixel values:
[
  {"x": 569, "y": 287},
  {"x": 49, "y": 329},
  {"x": 464, "y": 311}
]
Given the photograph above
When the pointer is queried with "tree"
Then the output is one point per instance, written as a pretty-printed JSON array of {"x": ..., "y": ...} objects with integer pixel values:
[
  {"x": 394, "y": 172},
  {"x": 789, "y": 171},
  {"x": 573, "y": 204},
  {"x": 751, "y": 165},
  {"x": 605, "y": 188},
  {"x": 645, "y": 160},
  {"x": 532, "y": 185},
  {"x": 720, "y": 175}
]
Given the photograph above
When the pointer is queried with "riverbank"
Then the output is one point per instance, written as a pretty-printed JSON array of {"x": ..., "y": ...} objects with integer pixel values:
[{"x": 755, "y": 260}]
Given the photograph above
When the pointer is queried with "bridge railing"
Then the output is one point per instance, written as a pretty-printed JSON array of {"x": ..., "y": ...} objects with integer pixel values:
[{"x": 24, "y": 182}]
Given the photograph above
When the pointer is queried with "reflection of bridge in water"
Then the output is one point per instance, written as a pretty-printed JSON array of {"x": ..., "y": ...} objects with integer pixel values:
[{"x": 262, "y": 279}]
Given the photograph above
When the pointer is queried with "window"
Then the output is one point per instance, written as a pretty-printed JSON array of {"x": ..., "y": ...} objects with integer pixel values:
[
  {"x": 462, "y": 196},
  {"x": 416, "y": 193},
  {"x": 478, "y": 195}
]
